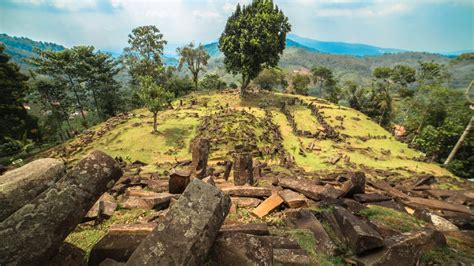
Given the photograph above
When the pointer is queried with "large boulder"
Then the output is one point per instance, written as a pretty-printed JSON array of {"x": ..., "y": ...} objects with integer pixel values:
[
  {"x": 241, "y": 249},
  {"x": 359, "y": 235},
  {"x": 404, "y": 248},
  {"x": 35, "y": 232},
  {"x": 304, "y": 219},
  {"x": 22, "y": 185},
  {"x": 188, "y": 230}
]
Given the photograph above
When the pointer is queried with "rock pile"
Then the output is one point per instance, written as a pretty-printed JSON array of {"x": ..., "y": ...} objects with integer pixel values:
[{"x": 34, "y": 232}]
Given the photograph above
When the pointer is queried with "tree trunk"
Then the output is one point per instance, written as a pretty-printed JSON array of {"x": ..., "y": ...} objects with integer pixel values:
[
  {"x": 195, "y": 79},
  {"x": 243, "y": 88},
  {"x": 154, "y": 122},
  {"x": 460, "y": 141},
  {"x": 81, "y": 108},
  {"x": 96, "y": 104}
]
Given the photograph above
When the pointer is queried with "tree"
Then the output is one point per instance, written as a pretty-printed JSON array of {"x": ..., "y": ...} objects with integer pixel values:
[
  {"x": 431, "y": 73},
  {"x": 154, "y": 97},
  {"x": 354, "y": 95},
  {"x": 143, "y": 56},
  {"x": 271, "y": 78},
  {"x": 399, "y": 77},
  {"x": 212, "y": 82},
  {"x": 14, "y": 120},
  {"x": 300, "y": 84},
  {"x": 253, "y": 39},
  {"x": 63, "y": 67},
  {"x": 195, "y": 58},
  {"x": 323, "y": 78},
  {"x": 179, "y": 85},
  {"x": 54, "y": 102},
  {"x": 467, "y": 130}
]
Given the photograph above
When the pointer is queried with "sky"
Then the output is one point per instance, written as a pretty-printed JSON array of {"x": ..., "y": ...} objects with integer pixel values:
[{"x": 423, "y": 25}]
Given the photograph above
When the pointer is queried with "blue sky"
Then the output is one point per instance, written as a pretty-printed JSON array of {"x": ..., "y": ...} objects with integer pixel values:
[{"x": 428, "y": 25}]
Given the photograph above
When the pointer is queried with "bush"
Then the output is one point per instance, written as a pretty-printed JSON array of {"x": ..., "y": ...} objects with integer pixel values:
[
  {"x": 212, "y": 82},
  {"x": 9, "y": 146}
]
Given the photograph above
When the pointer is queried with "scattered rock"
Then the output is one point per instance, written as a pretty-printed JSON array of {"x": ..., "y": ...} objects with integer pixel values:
[
  {"x": 268, "y": 205},
  {"x": 304, "y": 219},
  {"x": 243, "y": 169},
  {"x": 355, "y": 184},
  {"x": 368, "y": 198},
  {"x": 179, "y": 180},
  {"x": 246, "y": 201},
  {"x": 103, "y": 208},
  {"x": 188, "y": 230},
  {"x": 441, "y": 224},
  {"x": 247, "y": 191},
  {"x": 21, "y": 185},
  {"x": 435, "y": 204},
  {"x": 358, "y": 234},
  {"x": 292, "y": 199},
  {"x": 241, "y": 249},
  {"x": 34, "y": 233},
  {"x": 209, "y": 180},
  {"x": 291, "y": 257},
  {"x": 382, "y": 185},
  {"x": 200, "y": 150},
  {"x": 406, "y": 248},
  {"x": 253, "y": 229},
  {"x": 305, "y": 187},
  {"x": 158, "y": 201}
]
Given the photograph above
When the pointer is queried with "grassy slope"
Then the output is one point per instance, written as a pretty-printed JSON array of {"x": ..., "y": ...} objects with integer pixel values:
[{"x": 134, "y": 140}]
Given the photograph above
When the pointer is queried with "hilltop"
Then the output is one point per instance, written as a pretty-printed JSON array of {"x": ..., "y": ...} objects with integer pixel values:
[{"x": 336, "y": 138}]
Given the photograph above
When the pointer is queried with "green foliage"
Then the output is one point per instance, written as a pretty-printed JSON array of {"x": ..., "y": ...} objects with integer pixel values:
[
  {"x": 180, "y": 86},
  {"x": 143, "y": 56},
  {"x": 300, "y": 84},
  {"x": 432, "y": 73},
  {"x": 401, "y": 222},
  {"x": 398, "y": 78},
  {"x": 14, "y": 119},
  {"x": 354, "y": 95},
  {"x": 323, "y": 77},
  {"x": 195, "y": 58},
  {"x": 247, "y": 51},
  {"x": 212, "y": 82},
  {"x": 233, "y": 86},
  {"x": 154, "y": 97},
  {"x": 271, "y": 78},
  {"x": 377, "y": 103}
]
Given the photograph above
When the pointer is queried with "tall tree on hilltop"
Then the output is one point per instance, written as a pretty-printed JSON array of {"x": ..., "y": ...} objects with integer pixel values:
[
  {"x": 154, "y": 96},
  {"x": 195, "y": 58},
  {"x": 15, "y": 123},
  {"x": 253, "y": 39},
  {"x": 143, "y": 57}
]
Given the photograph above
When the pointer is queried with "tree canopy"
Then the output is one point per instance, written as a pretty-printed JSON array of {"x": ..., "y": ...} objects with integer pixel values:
[
  {"x": 195, "y": 58},
  {"x": 253, "y": 39}
]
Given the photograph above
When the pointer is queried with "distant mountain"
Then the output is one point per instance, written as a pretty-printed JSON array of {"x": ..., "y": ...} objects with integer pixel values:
[
  {"x": 342, "y": 48},
  {"x": 20, "y": 48}
]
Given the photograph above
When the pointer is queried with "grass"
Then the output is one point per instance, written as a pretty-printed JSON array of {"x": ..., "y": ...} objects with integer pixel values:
[
  {"x": 395, "y": 220},
  {"x": 177, "y": 128},
  {"x": 86, "y": 235}
]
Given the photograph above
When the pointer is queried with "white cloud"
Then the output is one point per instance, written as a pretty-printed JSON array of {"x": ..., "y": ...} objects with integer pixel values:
[
  {"x": 69, "y": 5},
  {"x": 360, "y": 9}
]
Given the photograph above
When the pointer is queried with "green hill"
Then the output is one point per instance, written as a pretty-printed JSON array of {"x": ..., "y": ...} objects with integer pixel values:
[{"x": 340, "y": 139}]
